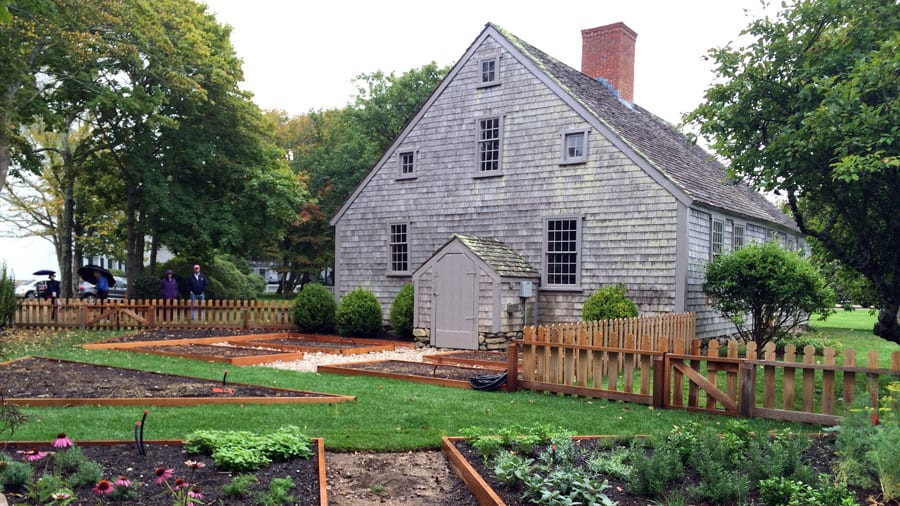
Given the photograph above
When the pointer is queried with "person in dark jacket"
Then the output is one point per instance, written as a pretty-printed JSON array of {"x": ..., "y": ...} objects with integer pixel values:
[
  {"x": 168, "y": 291},
  {"x": 53, "y": 292},
  {"x": 197, "y": 285},
  {"x": 102, "y": 286}
]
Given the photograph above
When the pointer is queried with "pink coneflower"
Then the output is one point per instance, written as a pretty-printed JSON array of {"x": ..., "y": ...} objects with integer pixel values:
[
  {"x": 104, "y": 487},
  {"x": 62, "y": 441},
  {"x": 60, "y": 496},
  {"x": 123, "y": 482},
  {"x": 32, "y": 455},
  {"x": 162, "y": 474},
  {"x": 193, "y": 464},
  {"x": 180, "y": 483},
  {"x": 194, "y": 493}
]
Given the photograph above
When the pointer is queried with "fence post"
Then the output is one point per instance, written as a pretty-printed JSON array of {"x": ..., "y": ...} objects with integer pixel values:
[
  {"x": 512, "y": 368},
  {"x": 748, "y": 390},
  {"x": 659, "y": 382}
]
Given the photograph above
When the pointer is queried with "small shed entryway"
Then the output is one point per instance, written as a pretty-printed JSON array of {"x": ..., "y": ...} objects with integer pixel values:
[{"x": 471, "y": 291}]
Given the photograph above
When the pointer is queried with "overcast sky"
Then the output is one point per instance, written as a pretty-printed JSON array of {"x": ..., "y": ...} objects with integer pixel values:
[{"x": 302, "y": 56}]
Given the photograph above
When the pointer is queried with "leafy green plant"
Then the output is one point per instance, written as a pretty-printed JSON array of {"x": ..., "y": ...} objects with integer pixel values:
[
  {"x": 8, "y": 302},
  {"x": 651, "y": 474},
  {"x": 608, "y": 303},
  {"x": 314, "y": 309},
  {"x": 15, "y": 475},
  {"x": 239, "y": 485},
  {"x": 278, "y": 494},
  {"x": 613, "y": 463},
  {"x": 401, "y": 315},
  {"x": 783, "y": 490},
  {"x": 359, "y": 314},
  {"x": 243, "y": 451}
]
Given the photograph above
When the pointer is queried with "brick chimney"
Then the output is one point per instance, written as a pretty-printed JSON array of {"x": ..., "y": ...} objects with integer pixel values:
[{"x": 607, "y": 52}]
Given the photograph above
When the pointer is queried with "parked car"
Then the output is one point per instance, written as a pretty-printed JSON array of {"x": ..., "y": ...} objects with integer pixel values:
[
  {"x": 88, "y": 291},
  {"x": 31, "y": 289}
]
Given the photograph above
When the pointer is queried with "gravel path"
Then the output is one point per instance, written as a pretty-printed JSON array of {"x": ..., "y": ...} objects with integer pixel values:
[{"x": 312, "y": 360}]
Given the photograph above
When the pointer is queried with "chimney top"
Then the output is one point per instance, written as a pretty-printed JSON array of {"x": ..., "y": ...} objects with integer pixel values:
[{"x": 607, "y": 52}]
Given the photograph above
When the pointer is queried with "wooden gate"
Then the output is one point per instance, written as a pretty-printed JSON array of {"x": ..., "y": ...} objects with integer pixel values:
[{"x": 714, "y": 390}]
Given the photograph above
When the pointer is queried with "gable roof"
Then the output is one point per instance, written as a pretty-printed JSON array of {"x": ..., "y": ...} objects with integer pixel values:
[
  {"x": 498, "y": 256},
  {"x": 685, "y": 169}
]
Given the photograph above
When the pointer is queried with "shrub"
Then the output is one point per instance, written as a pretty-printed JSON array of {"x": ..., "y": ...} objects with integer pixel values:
[
  {"x": 359, "y": 314},
  {"x": 765, "y": 290},
  {"x": 402, "y": 311},
  {"x": 314, "y": 309},
  {"x": 7, "y": 297},
  {"x": 608, "y": 303}
]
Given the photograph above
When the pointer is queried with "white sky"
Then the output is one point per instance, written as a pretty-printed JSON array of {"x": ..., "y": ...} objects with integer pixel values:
[{"x": 300, "y": 56}]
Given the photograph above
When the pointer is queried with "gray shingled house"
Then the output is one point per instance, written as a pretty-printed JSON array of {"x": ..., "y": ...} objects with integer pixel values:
[{"x": 524, "y": 185}]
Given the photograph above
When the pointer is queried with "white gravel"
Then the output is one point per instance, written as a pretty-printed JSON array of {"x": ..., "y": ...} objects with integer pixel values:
[{"x": 312, "y": 360}]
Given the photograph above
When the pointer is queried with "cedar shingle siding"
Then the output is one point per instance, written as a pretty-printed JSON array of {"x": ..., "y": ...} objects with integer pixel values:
[{"x": 645, "y": 197}]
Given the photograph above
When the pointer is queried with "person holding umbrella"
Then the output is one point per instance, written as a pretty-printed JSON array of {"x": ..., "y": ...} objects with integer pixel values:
[
  {"x": 52, "y": 291},
  {"x": 101, "y": 278}
]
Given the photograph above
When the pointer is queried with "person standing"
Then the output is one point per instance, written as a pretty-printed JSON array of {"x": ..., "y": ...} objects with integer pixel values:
[
  {"x": 102, "y": 286},
  {"x": 53, "y": 292},
  {"x": 168, "y": 291},
  {"x": 197, "y": 285}
]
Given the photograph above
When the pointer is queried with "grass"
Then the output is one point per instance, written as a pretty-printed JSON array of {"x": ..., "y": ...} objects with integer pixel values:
[
  {"x": 389, "y": 415},
  {"x": 853, "y": 329}
]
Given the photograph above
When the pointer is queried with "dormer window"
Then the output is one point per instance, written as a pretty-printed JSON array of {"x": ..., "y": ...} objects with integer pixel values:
[
  {"x": 574, "y": 147},
  {"x": 489, "y": 72}
]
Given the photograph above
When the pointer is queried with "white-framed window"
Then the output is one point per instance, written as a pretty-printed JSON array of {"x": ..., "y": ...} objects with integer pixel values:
[
  {"x": 718, "y": 238},
  {"x": 407, "y": 164},
  {"x": 771, "y": 235},
  {"x": 562, "y": 252},
  {"x": 488, "y": 72},
  {"x": 574, "y": 146},
  {"x": 399, "y": 248},
  {"x": 737, "y": 238},
  {"x": 490, "y": 135}
]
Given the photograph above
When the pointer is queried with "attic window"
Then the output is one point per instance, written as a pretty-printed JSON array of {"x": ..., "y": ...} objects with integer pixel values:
[
  {"x": 407, "y": 165},
  {"x": 489, "y": 72},
  {"x": 574, "y": 146}
]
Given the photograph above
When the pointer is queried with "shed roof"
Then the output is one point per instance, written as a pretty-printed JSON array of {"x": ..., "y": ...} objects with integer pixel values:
[{"x": 498, "y": 256}]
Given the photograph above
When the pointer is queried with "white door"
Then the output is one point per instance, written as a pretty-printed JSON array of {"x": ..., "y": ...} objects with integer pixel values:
[{"x": 455, "y": 301}]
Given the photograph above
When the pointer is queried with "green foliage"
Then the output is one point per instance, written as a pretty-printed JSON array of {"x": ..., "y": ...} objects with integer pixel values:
[
  {"x": 315, "y": 309},
  {"x": 608, "y": 303},
  {"x": 229, "y": 278},
  {"x": 242, "y": 451},
  {"x": 278, "y": 494},
  {"x": 359, "y": 314},
  {"x": 8, "y": 302},
  {"x": 651, "y": 474},
  {"x": 239, "y": 486},
  {"x": 809, "y": 107},
  {"x": 401, "y": 315},
  {"x": 87, "y": 473},
  {"x": 783, "y": 490},
  {"x": 765, "y": 290},
  {"x": 15, "y": 475}
]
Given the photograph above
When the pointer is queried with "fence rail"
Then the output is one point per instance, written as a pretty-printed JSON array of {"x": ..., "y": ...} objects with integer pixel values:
[
  {"x": 139, "y": 314},
  {"x": 606, "y": 360}
]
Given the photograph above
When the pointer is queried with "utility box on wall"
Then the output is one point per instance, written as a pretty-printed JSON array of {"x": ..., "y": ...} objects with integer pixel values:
[{"x": 526, "y": 289}]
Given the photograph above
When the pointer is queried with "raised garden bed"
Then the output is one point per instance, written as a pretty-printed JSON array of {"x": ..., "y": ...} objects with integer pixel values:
[
  {"x": 38, "y": 381},
  {"x": 490, "y": 360},
  {"x": 419, "y": 372},
  {"x": 122, "y": 458},
  {"x": 219, "y": 352}
]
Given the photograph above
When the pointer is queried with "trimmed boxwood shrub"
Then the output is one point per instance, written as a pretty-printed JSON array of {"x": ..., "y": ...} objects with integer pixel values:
[
  {"x": 402, "y": 311},
  {"x": 359, "y": 314},
  {"x": 608, "y": 303},
  {"x": 314, "y": 309}
]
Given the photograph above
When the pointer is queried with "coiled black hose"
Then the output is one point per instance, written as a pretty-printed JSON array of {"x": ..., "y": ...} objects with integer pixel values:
[{"x": 488, "y": 382}]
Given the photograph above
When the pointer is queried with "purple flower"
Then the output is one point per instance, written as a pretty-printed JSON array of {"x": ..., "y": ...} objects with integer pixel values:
[
  {"x": 32, "y": 455},
  {"x": 123, "y": 482},
  {"x": 193, "y": 464},
  {"x": 180, "y": 483},
  {"x": 62, "y": 441},
  {"x": 162, "y": 474},
  {"x": 104, "y": 487},
  {"x": 195, "y": 493}
]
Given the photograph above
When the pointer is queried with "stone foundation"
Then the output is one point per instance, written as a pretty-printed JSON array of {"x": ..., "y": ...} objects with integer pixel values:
[{"x": 487, "y": 341}]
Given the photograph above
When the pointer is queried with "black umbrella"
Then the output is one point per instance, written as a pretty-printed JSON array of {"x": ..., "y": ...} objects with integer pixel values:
[
  {"x": 43, "y": 272},
  {"x": 87, "y": 273}
]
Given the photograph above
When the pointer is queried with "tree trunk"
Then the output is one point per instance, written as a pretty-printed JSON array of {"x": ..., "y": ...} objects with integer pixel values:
[
  {"x": 5, "y": 158},
  {"x": 134, "y": 263},
  {"x": 67, "y": 219},
  {"x": 886, "y": 327}
]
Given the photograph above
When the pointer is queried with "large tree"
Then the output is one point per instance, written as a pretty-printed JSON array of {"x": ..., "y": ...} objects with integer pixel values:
[{"x": 809, "y": 109}]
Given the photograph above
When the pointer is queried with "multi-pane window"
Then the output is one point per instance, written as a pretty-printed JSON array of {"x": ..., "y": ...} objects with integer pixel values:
[
  {"x": 490, "y": 72},
  {"x": 489, "y": 145},
  {"x": 399, "y": 244},
  {"x": 407, "y": 163},
  {"x": 574, "y": 147},
  {"x": 737, "y": 239},
  {"x": 562, "y": 252},
  {"x": 718, "y": 237}
]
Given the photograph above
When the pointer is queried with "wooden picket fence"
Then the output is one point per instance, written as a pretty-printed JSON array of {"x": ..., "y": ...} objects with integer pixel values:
[
  {"x": 137, "y": 314},
  {"x": 607, "y": 360}
]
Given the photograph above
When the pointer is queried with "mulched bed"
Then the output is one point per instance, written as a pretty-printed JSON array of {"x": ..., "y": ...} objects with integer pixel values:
[
  {"x": 163, "y": 334},
  {"x": 124, "y": 459},
  {"x": 819, "y": 455},
  {"x": 309, "y": 343},
  {"x": 226, "y": 351},
  {"x": 415, "y": 369},
  {"x": 36, "y": 377}
]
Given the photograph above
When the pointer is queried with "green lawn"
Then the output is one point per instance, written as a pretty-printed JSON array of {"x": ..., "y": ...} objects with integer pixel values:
[
  {"x": 853, "y": 329},
  {"x": 388, "y": 414}
]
